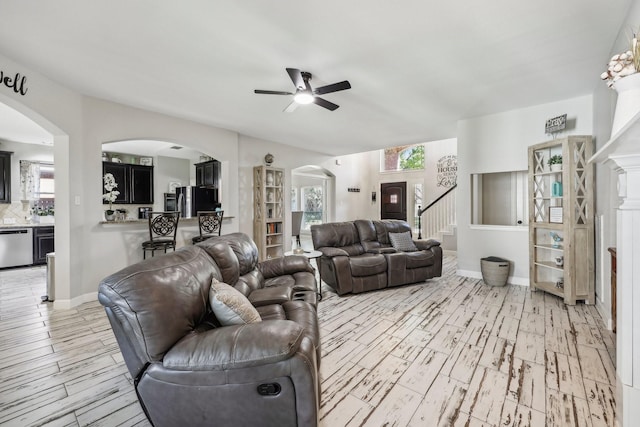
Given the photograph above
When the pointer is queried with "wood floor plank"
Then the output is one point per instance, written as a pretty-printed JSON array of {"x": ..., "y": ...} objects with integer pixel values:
[
  {"x": 516, "y": 415},
  {"x": 477, "y": 333},
  {"x": 564, "y": 374},
  {"x": 419, "y": 376},
  {"x": 486, "y": 395},
  {"x": 532, "y": 323},
  {"x": 441, "y": 405},
  {"x": 349, "y": 412},
  {"x": 446, "y": 339},
  {"x": 396, "y": 409},
  {"x": 462, "y": 362},
  {"x": 380, "y": 380},
  {"x": 527, "y": 384},
  {"x": 505, "y": 327},
  {"x": 601, "y": 399},
  {"x": 529, "y": 347},
  {"x": 339, "y": 385},
  {"x": 497, "y": 354}
]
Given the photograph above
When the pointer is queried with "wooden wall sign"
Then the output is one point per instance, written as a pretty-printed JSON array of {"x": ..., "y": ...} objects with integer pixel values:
[
  {"x": 556, "y": 124},
  {"x": 16, "y": 82}
]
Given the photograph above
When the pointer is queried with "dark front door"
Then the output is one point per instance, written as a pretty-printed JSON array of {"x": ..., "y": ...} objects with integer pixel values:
[{"x": 394, "y": 200}]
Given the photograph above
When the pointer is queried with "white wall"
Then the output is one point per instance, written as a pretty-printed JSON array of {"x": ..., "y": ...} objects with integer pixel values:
[{"x": 498, "y": 143}]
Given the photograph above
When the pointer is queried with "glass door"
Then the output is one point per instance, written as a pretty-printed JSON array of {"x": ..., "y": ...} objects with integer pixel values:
[{"x": 312, "y": 203}]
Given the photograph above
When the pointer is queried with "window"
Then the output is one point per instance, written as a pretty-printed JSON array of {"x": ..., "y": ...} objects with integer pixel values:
[
  {"x": 37, "y": 181},
  {"x": 294, "y": 199},
  {"x": 417, "y": 205},
  {"x": 312, "y": 205},
  {"x": 403, "y": 158},
  {"x": 47, "y": 182}
]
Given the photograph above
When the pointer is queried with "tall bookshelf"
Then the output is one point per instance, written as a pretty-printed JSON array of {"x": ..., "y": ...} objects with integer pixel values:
[
  {"x": 561, "y": 212},
  {"x": 268, "y": 211}
]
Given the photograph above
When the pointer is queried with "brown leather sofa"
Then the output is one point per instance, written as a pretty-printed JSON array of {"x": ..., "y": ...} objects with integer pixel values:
[
  {"x": 357, "y": 256},
  {"x": 187, "y": 368}
]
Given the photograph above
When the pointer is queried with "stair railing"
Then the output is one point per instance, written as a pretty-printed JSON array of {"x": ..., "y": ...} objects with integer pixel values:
[{"x": 442, "y": 213}]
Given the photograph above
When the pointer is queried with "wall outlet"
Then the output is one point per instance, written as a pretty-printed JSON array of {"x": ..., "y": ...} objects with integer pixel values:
[{"x": 9, "y": 220}]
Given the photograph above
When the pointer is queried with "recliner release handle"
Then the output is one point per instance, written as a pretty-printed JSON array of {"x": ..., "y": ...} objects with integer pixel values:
[{"x": 269, "y": 389}]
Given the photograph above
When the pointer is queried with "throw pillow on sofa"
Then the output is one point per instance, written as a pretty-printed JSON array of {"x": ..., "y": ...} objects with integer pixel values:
[
  {"x": 230, "y": 306},
  {"x": 402, "y": 242}
]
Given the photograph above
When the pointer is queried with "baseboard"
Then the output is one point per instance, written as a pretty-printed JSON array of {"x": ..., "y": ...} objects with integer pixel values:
[
  {"x": 512, "y": 280},
  {"x": 449, "y": 252},
  {"x": 68, "y": 304},
  {"x": 604, "y": 313}
]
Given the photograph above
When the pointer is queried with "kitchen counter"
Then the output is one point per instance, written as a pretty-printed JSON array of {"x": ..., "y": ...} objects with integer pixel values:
[
  {"x": 33, "y": 225},
  {"x": 192, "y": 220}
]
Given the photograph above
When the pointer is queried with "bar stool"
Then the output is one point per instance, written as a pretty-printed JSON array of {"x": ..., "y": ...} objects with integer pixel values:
[
  {"x": 163, "y": 228},
  {"x": 208, "y": 223}
]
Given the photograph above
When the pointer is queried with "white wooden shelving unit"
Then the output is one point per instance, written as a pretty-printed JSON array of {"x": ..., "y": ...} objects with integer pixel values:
[
  {"x": 268, "y": 211},
  {"x": 573, "y": 278}
]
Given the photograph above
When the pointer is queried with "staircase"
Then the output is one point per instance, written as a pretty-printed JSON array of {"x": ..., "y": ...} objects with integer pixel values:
[{"x": 438, "y": 220}]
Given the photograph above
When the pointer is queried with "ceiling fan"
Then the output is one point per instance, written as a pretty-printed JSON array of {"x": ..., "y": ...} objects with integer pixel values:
[{"x": 305, "y": 94}]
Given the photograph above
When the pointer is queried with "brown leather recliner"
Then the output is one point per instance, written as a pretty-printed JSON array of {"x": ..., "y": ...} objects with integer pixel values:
[
  {"x": 344, "y": 263},
  {"x": 402, "y": 267},
  {"x": 353, "y": 254},
  {"x": 189, "y": 370}
]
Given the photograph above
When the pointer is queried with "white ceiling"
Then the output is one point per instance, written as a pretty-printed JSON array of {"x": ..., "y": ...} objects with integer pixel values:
[
  {"x": 416, "y": 66},
  {"x": 149, "y": 147}
]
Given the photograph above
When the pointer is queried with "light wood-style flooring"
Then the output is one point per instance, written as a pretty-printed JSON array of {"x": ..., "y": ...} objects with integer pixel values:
[{"x": 448, "y": 352}]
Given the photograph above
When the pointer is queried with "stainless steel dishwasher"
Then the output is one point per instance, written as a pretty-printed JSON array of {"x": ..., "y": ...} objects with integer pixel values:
[{"x": 16, "y": 247}]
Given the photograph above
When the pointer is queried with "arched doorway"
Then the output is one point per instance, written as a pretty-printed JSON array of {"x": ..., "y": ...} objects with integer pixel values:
[
  {"x": 313, "y": 193},
  {"x": 29, "y": 127}
]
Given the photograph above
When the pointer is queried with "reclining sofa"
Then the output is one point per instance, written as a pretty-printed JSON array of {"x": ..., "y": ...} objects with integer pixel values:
[
  {"x": 358, "y": 256},
  {"x": 188, "y": 368}
]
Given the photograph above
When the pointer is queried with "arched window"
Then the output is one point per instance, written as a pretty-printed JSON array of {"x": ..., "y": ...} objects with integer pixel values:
[{"x": 403, "y": 158}]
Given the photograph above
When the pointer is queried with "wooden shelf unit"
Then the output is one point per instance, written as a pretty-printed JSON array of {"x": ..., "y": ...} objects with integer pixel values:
[
  {"x": 268, "y": 211},
  {"x": 576, "y": 229}
]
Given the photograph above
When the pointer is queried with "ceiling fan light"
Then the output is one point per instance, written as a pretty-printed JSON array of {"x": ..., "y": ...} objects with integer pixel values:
[{"x": 303, "y": 98}]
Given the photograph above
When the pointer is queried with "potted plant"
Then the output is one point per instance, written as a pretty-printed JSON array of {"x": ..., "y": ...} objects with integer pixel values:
[
  {"x": 111, "y": 195},
  {"x": 555, "y": 163}
]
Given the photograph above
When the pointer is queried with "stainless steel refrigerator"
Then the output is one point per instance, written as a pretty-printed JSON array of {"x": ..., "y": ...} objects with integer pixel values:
[{"x": 193, "y": 199}]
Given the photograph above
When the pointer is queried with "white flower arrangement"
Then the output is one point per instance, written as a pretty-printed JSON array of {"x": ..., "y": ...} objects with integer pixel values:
[
  {"x": 112, "y": 194},
  {"x": 623, "y": 64}
]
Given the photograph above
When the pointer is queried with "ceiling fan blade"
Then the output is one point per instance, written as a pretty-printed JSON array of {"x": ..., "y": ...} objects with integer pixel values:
[
  {"x": 332, "y": 88},
  {"x": 272, "y": 92},
  {"x": 296, "y": 77},
  {"x": 326, "y": 104},
  {"x": 291, "y": 107}
]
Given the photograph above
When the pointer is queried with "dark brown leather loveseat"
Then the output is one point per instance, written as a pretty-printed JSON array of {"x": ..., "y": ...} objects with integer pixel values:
[
  {"x": 187, "y": 369},
  {"x": 358, "y": 256}
]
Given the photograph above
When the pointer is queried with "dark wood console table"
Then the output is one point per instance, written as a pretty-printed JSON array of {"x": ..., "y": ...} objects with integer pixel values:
[{"x": 613, "y": 288}]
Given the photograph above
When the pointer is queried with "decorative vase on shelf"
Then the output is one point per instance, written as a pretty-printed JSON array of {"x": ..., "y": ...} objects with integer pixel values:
[
  {"x": 628, "y": 103},
  {"x": 269, "y": 179},
  {"x": 556, "y": 167},
  {"x": 110, "y": 215}
]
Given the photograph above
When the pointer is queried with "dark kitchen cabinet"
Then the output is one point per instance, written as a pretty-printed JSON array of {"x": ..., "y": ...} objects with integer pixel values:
[
  {"x": 141, "y": 184},
  {"x": 5, "y": 176},
  {"x": 135, "y": 182},
  {"x": 43, "y": 243},
  {"x": 120, "y": 173},
  {"x": 208, "y": 173}
]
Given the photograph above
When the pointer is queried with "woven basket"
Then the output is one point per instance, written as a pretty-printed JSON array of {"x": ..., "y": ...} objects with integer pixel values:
[{"x": 495, "y": 271}]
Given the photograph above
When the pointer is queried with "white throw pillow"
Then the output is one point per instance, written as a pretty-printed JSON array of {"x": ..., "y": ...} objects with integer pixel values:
[
  {"x": 402, "y": 242},
  {"x": 230, "y": 306}
]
